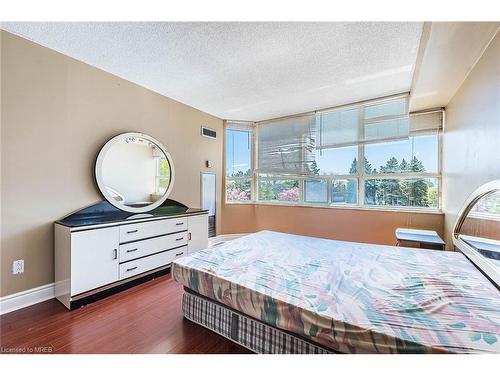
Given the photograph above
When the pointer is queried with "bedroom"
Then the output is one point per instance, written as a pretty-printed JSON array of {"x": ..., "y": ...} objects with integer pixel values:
[{"x": 250, "y": 187}]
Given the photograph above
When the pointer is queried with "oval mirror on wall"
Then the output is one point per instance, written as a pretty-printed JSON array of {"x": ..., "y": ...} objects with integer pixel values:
[{"x": 134, "y": 172}]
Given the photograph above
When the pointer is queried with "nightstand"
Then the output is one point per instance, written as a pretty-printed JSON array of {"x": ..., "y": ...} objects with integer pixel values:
[{"x": 423, "y": 239}]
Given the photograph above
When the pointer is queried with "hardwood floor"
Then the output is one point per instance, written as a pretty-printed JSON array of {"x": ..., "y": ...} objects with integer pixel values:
[{"x": 144, "y": 319}]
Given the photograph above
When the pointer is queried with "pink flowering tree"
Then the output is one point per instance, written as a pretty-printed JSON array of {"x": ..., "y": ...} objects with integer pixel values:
[
  {"x": 289, "y": 195},
  {"x": 235, "y": 194}
]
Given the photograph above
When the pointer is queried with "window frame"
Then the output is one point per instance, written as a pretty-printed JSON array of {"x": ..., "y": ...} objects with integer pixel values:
[
  {"x": 158, "y": 177},
  {"x": 360, "y": 177}
]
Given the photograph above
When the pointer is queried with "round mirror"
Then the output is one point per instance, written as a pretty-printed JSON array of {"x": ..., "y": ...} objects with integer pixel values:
[
  {"x": 134, "y": 172},
  {"x": 477, "y": 231}
]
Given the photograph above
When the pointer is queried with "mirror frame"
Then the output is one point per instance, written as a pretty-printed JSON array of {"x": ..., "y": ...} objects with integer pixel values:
[
  {"x": 469, "y": 251},
  {"x": 100, "y": 183}
]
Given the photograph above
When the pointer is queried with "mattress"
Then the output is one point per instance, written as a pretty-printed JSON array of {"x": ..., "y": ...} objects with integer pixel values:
[{"x": 351, "y": 297}]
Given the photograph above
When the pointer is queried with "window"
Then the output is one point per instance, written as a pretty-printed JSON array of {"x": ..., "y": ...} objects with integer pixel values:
[
  {"x": 162, "y": 175},
  {"x": 487, "y": 207},
  {"x": 278, "y": 189},
  {"x": 414, "y": 154},
  {"x": 373, "y": 154},
  {"x": 407, "y": 192},
  {"x": 396, "y": 161},
  {"x": 238, "y": 190},
  {"x": 238, "y": 163},
  {"x": 238, "y": 153},
  {"x": 316, "y": 191},
  {"x": 337, "y": 161},
  {"x": 345, "y": 191}
]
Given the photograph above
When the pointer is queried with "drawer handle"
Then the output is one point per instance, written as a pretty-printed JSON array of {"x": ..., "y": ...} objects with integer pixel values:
[
  {"x": 179, "y": 239},
  {"x": 131, "y": 269},
  {"x": 132, "y": 250},
  {"x": 179, "y": 223},
  {"x": 179, "y": 254},
  {"x": 115, "y": 254},
  {"x": 132, "y": 231}
]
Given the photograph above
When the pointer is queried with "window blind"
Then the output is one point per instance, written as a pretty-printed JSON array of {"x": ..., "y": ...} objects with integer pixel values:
[
  {"x": 386, "y": 120},
  {"x": 287, "y": 145},
  {"x": 338, "y": 128},
  {"x": 420, "y": 122},
  {"x": 368, "y": 122},
  {"x": 395, "y": 128}
]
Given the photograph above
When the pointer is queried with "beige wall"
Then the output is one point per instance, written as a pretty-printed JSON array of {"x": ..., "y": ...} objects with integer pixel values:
[
  {"x": 371, "y": 226},
  {"x": 56, "y": 114},
  {"x": 471, "y": 146}
]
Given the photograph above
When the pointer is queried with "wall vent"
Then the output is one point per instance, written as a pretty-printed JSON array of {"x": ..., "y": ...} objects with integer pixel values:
[{"x": 209, "y": 133}]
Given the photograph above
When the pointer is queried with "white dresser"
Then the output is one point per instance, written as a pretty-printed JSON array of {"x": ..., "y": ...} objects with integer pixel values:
[{"x": 94, "y": 258}]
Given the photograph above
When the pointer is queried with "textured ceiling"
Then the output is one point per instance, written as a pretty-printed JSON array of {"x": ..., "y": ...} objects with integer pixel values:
[{"x": 245, "y": 71}]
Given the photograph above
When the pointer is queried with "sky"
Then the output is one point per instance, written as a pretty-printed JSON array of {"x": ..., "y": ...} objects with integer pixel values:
[{"x": 238, "y": 151}]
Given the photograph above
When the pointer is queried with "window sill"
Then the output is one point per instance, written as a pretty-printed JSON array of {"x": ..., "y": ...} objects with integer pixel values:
[
  {"x": 484, "y": 216},
  {"x": 341, "y": 207}
]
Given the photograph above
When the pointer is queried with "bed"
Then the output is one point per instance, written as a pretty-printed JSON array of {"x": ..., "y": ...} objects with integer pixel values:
[{"x": 275, "y": 292}]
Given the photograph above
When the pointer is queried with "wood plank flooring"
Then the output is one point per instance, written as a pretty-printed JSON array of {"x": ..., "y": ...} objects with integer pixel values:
[{"x": 144, "y": 319}]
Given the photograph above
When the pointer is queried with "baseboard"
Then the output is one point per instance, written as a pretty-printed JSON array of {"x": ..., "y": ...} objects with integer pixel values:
[{"x": 26, "y": 298}]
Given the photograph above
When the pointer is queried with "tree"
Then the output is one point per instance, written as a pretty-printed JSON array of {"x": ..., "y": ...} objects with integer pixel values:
[
  {"x": 265, "y": 191},
  {"x": 248, "y": 173},
  {"x": 351, "y": 191},
  {"x": 290, "y": 195},
  {"x": 416, "y": 165},
  {"x": 389, "y": 192},
  {"x": 404, "y": 186},
  {"x": 391, "y": 166},
  {"x": 371, "y": 186},
  {"x": 314, "y": 168},
  {"x": 354, "y": 167},
  {"x": 432, "y": 196},
  {"x": 279, "y": 190},
  {"x": 417, "y": 193},
  {"x": 403, "y": 167},
  {"x": 368, "y": 167},
  {"x": 238, "y": 190}
]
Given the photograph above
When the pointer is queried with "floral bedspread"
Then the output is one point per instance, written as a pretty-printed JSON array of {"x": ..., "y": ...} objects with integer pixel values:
[{"x": 351, "y": 297}]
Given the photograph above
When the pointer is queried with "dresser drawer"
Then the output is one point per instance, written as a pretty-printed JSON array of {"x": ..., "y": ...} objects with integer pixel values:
[
  {"x": 134, "y": 232},
  {"x": 151, "y": 262},
  {"x": 143, "y": 248}
]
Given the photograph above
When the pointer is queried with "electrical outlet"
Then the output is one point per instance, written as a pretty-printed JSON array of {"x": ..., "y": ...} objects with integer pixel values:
[{"x": 18, "y": 266}]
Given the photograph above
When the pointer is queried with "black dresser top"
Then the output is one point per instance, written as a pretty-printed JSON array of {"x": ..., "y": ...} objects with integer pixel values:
[{"x": 105, "y": 213}]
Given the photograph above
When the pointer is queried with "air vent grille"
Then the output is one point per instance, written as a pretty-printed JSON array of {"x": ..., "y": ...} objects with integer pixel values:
[{"x": 209, "y": 133}]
